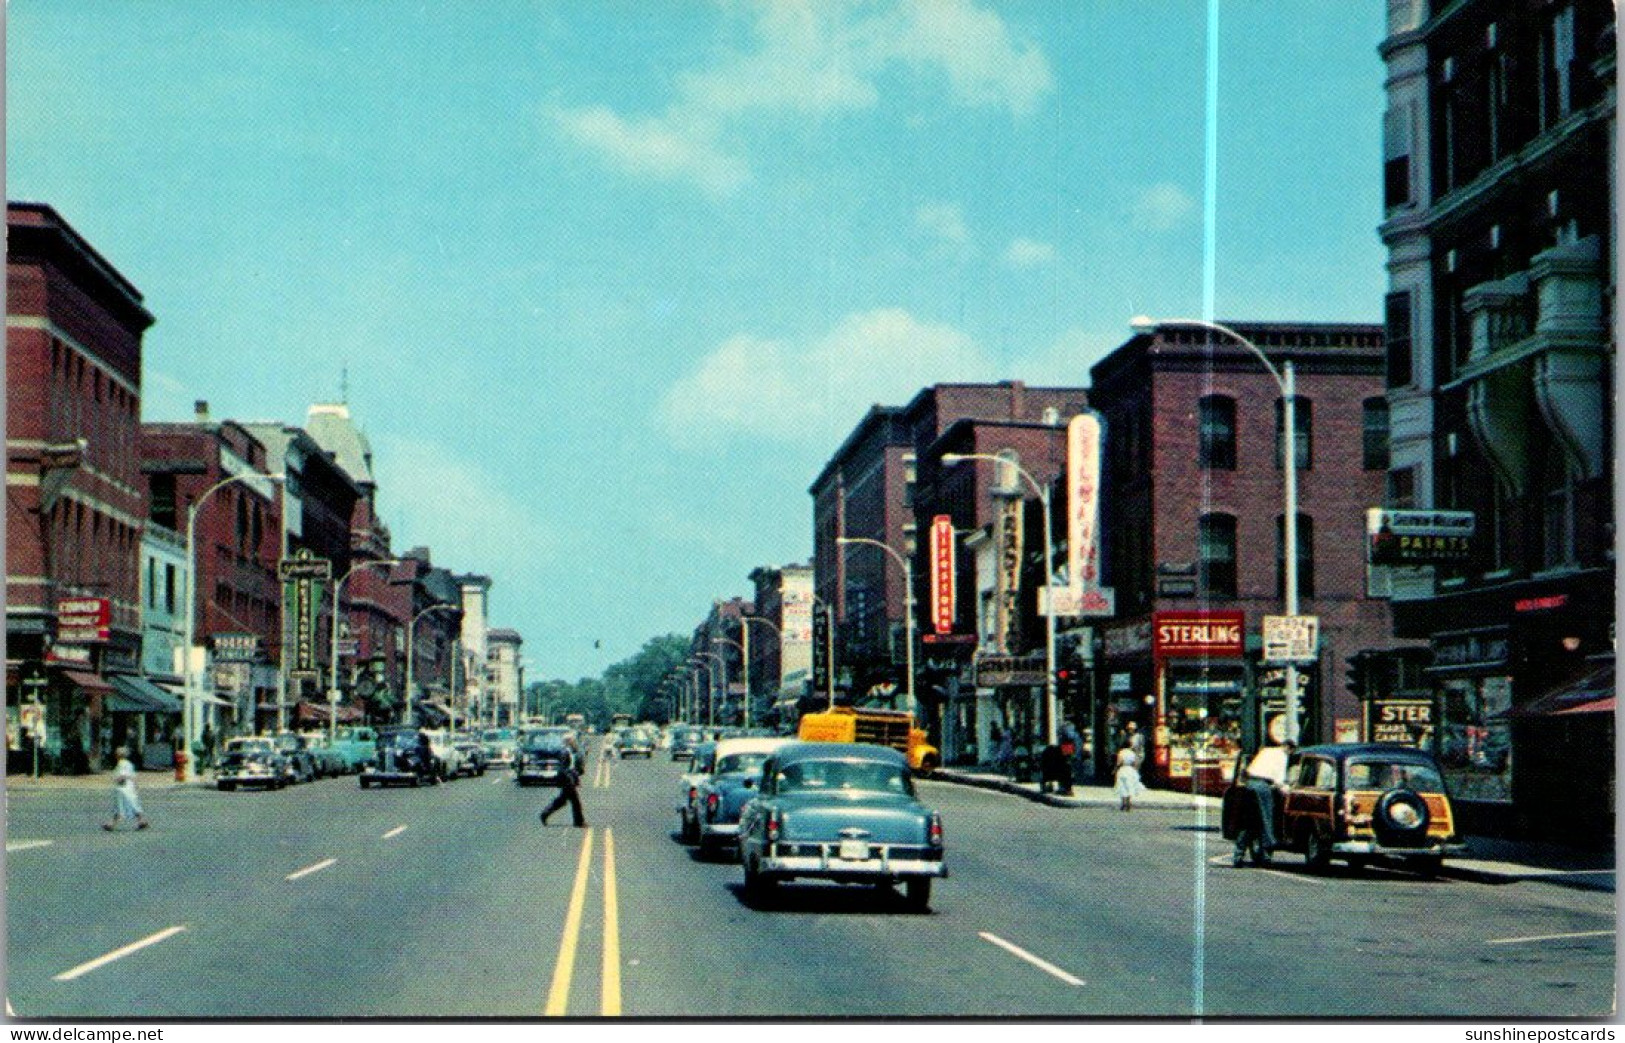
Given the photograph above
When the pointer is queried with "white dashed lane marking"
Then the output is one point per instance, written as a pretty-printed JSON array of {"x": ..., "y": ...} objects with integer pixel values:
[
  {"x": 118, "y": 954},
  {"x": 318, "y": 867}
]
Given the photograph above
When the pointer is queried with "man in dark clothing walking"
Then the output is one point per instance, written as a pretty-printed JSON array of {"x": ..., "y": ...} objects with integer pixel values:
[{"x": 568, "y": 781}]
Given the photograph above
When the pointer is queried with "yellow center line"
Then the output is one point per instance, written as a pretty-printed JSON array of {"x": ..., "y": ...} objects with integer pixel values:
[
  {"x": 610, "y": 1004},
  {"x": 558, "y": 996}
]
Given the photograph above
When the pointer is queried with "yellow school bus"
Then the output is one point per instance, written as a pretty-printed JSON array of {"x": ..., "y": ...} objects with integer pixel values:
[{"x": 894, "y": 728}]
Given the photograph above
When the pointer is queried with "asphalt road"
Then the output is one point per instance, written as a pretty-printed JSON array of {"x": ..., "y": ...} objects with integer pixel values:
[{"x": 327, "y": 901}]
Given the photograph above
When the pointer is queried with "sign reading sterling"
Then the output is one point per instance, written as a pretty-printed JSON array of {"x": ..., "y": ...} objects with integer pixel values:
[{"x": 1214, "y": 634}]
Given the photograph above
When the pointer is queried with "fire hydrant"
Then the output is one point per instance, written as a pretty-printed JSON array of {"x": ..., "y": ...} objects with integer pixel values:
[{"x": 180, "y": 765}]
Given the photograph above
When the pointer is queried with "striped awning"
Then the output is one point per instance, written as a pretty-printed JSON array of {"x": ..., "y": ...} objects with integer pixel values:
[{"x": 135, "y": 694}]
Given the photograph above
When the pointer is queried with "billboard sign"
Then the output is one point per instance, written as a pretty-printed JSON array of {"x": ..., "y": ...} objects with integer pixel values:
[
  {"x": 84, "y": 620},
  {"x": 942, "y": 574},
  {"x": 1419, "y": 537}
]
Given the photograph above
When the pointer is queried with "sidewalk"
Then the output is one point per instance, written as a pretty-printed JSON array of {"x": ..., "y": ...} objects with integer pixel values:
[
  {"x": 1489, "y": 860},
  {"x": 145, "y": 781}
]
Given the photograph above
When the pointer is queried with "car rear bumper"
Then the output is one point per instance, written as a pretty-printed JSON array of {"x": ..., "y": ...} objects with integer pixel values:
[
  {"x": 556, "y": 779},
  {"x": 829, "y": 865},
  {"x": 249, "y": 780},
  {"x": 389, "y": 776},
  {"x": 719, "y": 829},
  {"x": 1372, "y": 847}
]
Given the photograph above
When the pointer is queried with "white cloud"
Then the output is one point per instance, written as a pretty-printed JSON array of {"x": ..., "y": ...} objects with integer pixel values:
[
  {"x": 794, "y": 391},
  {"x": 812, "y": 57},
  {"x": 944, "y": 220},
  {"x": 1065, "y": 362},
  {"x": 1028, "y": 253},
  {"x": 1162, "y": 207}
]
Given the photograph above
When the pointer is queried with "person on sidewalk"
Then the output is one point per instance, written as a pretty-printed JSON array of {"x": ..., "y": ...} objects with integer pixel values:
[
  {"x": 1003, "y": 752},
  {"x": 1135, "y": 740},
  {"x": 568, "y": 782},
  {"x": 126, "y": 803},
  {"x": 1127, "y": 780}
]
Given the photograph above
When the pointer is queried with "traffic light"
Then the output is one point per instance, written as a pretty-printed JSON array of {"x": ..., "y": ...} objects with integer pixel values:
[
  {"x": 1069, "y": 689},
  {"x": 1359, "y": 674}
]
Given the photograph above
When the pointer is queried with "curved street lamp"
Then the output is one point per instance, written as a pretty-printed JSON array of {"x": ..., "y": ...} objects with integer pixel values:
[
  {"x": 1051, "y": 703},
  {"x": 410, "y": 662},
  {"x": 744, "y": 652},
  {"x": 744, "y": 634},
  {"x": 189, "y": 707},
  {"x": 1289, "y": 475},
  {"x": 908, "y": 608},
  {"x": 711, "y": 686},
  {"x": 338, "y": 602}
]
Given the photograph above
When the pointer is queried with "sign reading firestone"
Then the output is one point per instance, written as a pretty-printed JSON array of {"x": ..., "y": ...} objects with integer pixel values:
[
  {"x": 942, "y": 573},
  {"x": 1215, "y": 634}
]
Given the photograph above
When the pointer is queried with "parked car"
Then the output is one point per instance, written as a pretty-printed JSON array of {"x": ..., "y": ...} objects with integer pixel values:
[
  {"x": 329, "y": 762},
  {"x": 471, "y": 747},
  {"x": 301, "y": 764},
  {"x": 544, "y": 759},
  {"x": 357, "y": 745},
  {"x": 683, "y": 740},
  {"x": 403, "y": 756},
  {"x": 251, "y": 762},
  {"x": 500, "y": 746},
  {"x": 634, "y": 742},
  {"x": 1355, "y": 801},
  {"x": 736, "y": 770},
  {"x": 844, "y": 812},
  {"x": 688, "y": 801}
]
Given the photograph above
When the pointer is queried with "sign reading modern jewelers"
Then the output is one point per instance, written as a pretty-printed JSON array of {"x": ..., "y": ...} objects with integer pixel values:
[
  {"x": 1212, "y": 634},
  {"x": 942, "y": 574}
]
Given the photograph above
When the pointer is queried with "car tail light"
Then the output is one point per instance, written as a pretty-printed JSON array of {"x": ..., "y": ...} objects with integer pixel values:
[
  {"x": 933, "y": 833},
  {"x": 693, "y": 794},
  {"x": 775, "y": 825},
  {"x": 711, "y": 803}
]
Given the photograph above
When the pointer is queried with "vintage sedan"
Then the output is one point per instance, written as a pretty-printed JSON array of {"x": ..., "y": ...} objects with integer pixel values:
[
  {"x": 636, "y": 741},
  {"x": 501, "y": 745},
  {"x": 684, "y": 738},
  {"x": 301, "y": 763},
  {"x": 704, "y": 755},
  {"x": 404, "y": 756},
  {"x": 544, "y": 759},
  {"x": 844, "y": 812},
  {"x": 251, "y": 762},
  {"x": 736, "y": 769},
  {"x": 1355, "y": 801},
  {"x": 328, "y": 760}
]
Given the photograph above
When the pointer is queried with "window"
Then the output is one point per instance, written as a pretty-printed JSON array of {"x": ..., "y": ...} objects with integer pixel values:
[
  {"x": 152, "y": 582},
  {"x": 1557, "y": 512},
  {"x": 1398, "y": 322},
  {"x": 1557, "y": 68},
  {"x": 1396, "y": 164},
  {"x": 1302, "y": 423},
  {"x": 169, "y": 589},
  {"x": 1306, "y": 556},
  {"x": 1216, "y": 543},
  {"x": 162, "y": 507},
  {"x": 1375, "y": 432},
  {"x": 242, "y": 524},
  {"x": 1216, "y": 423}
]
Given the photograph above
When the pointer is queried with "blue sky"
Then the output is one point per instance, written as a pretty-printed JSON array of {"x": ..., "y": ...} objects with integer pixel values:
[{"x": 612, "y": 279}]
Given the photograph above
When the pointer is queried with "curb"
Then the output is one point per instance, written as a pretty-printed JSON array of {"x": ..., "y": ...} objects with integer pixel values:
[{"x": 1055, "y": 800}]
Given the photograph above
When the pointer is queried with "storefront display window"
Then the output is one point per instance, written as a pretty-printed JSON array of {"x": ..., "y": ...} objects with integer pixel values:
[
  {"x": 1203, "y": 719},
  {"x": 1475, "y": 738}
]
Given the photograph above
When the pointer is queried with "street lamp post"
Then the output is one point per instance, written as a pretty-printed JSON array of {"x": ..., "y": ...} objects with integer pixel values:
[
  {"x": 744, "y": 652},
  {"x": 908, "y": 609},
  {"x": 338, "y": 601},
  {"x": 1051, "y": 703},
  {"x": 410, "y": 661},
  {"x": 711, "y": 685},
  {"x": 189, "y": 707},
  {"x": 1289, "y": 478},
  {"x": 744, "y": 633}
]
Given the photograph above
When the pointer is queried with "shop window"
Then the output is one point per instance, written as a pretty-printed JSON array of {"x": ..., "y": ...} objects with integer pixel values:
[
  {"x": 1302, "y": 425},
  {"x": 1216, "y": 543},
  {"x": 1475, "y": 739},
  {"x": 1216, "y": 423},
  {"x": 1374, "y": 429},
  {"x": 1396, "y": 164},
  {"x": 161, "y": 508},
  {"x": 1306, "y": 556},
  {"x": 1397, "y": 332},
  {"x": 152, "y": 582},
  {"x": 1557, "y": 512}
]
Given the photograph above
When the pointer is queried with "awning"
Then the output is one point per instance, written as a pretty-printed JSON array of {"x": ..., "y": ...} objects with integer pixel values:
[
  {"x": 133, "y": 694},
  {"x": 89, "y": 682},
  {"x": 1593, "y": 693},
  {"x": 307, "y": 711}
]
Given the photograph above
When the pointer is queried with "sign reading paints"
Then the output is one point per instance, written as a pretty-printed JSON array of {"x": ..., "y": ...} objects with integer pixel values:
[{"x": 1213, "y": 634}]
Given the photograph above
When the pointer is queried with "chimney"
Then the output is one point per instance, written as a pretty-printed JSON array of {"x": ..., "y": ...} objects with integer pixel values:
[{"x": 200, "y": 410}]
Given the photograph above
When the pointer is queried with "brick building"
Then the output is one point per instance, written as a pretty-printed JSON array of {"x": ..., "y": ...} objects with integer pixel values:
[
  {"x": 1499, "y": 218},
  {"x": 716, "y": 650},
  {"x": 1193, "y": 527},
  {"x": 781, "y": 652},
  {"x": 74, "y": 497},
  {"x": 437, "y": 619},
  {"x": 238, "y": 542}
]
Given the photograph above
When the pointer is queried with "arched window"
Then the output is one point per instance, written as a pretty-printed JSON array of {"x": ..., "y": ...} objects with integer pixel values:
[
  {"x": 1216, "y": 431},
  {"x": 1216, "y": 545}
]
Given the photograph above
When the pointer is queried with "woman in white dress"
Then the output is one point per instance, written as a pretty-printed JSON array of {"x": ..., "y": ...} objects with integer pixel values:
[{"x": 1127, "y": 779}]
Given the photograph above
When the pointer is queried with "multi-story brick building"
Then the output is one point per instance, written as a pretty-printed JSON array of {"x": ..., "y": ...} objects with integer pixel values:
[
  {"x": 433, "y": 630},
  {"x": 863, "y": 492},
  {"x": 1193, "y": 524},
  {"x": 237, "y": 544},
  {"x": 74, "y": 502},
  {"x": 781, "y": 652},
  {"x": 1500, "y": 212},
  {"x": 716, "y": 649}
]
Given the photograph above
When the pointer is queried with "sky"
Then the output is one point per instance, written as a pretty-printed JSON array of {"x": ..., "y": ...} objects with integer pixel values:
[{"x": 606, "y": 282}]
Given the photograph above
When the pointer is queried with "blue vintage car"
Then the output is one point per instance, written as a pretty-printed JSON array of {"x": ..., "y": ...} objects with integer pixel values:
[
  {"x": 844, "y": 812},
  {"x": 736, "y": 770}
]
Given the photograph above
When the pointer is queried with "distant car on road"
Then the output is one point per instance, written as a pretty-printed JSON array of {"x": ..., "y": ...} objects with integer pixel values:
[
  {"x": 1355, "y": 801},
  {"x": 500, "y": 745},
  {"x": 301, "y": 766},
  {"x": 329, "y": 762},
  {"x": 736, "y": 770},
  {"x": 401, "y": 758},
  {"x": 448, "y": 758},
  {"x": 471, "y": 747},
  {"x": 634, "y": 742},
  {"x": 251, "y": 762},
  {"x": 844, "y": 812},
  {"x": 357, "y": 745},
  {"x": 683, "y": 740}
]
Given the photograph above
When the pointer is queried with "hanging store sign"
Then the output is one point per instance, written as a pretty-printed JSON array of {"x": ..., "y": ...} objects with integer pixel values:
[
  {"x": 305, "y": 565},
  {"x": 1009, "y": 530},
  {"x": 84, "y": 620},
  {"x": 236, "y": 648},
  {"x": 1213, "y": 634},
  {"x": 304, "y": 595},
  {"x": 1083, "y": 436},
  {"x": 1408, "y": 722},
  {"x": 942, "y": 574},
  {"x": 1419, "y": 537}
]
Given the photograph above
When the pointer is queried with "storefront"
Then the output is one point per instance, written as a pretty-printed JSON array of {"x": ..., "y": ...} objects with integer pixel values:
[{"x": 1200, "y": 680}]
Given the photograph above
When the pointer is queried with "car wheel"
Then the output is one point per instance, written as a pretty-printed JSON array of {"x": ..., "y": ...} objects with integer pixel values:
[
  {"x": 365, "y": 782},
  {"x": 1317, "y": 853},
  {"x": 416, "y": 781},
  {"x": 917, "y": 891}
]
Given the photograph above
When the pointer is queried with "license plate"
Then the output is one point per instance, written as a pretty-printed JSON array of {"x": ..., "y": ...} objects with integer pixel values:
[
  {"x": 550, "y": 772},
  {"x": 854, "y": 851}
]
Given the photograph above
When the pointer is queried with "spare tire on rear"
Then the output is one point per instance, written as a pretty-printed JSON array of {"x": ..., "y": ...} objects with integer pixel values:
[{"x": 1401, "y": 818}]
